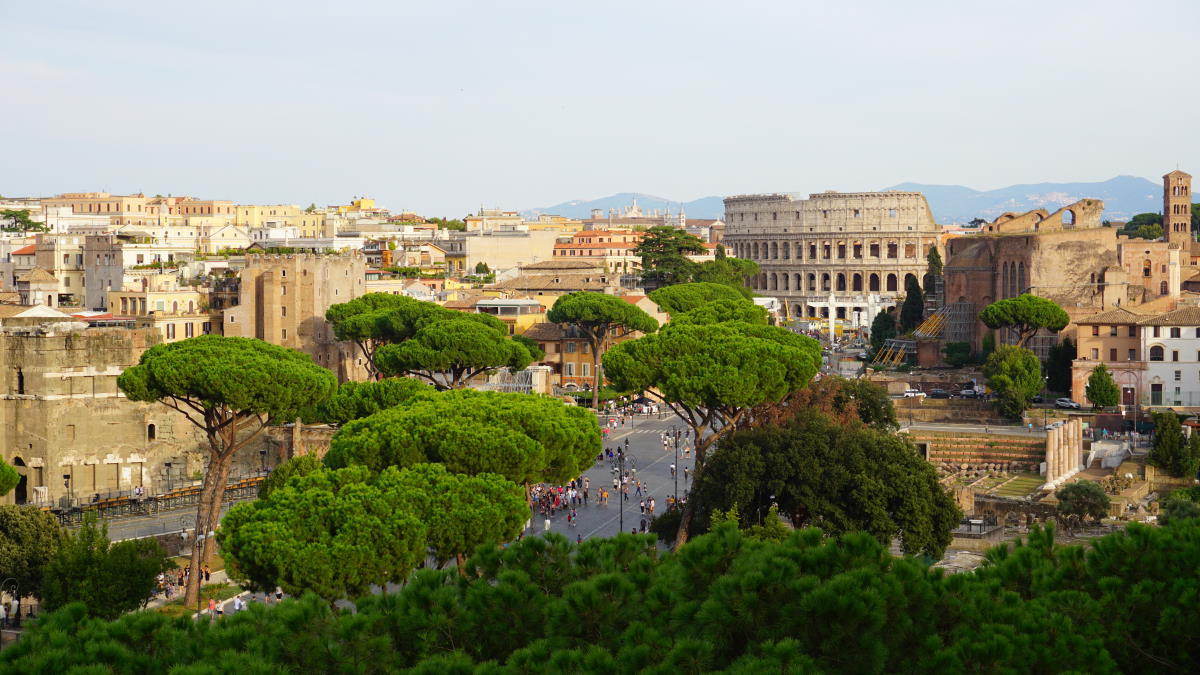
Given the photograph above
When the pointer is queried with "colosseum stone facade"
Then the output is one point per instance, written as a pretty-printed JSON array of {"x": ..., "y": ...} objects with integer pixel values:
[{"x": 840, "y": 253}]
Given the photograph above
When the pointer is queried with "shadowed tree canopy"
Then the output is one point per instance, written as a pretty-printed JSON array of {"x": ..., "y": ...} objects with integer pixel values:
[
  {"x": 600, "y": 318},
  {"x": 449, "y": 352},
  {"x": 710, "y": 376},
  {"x": 844, "y": 478},
  {"x": 230, "y": 388},
  {"x": 1082, "y": 500},
  {"x": 682, "y": 298},
  {"x": 29, "y": 538},
  {"x": 1025, "y": 314},
  {"x": 883, "y": 328},
  {"x": 912, "y": 312},
  {"x": 847, "y": 401},
  {"x": 525, "y": 438},
  {"x": 9, "y": 478},
  {"x": 355, "y": 400},
  {"x": 720, "y": 311}
]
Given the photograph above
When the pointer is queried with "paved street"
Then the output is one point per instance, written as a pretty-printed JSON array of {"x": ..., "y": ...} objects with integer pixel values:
[
  {"x": 653, "y": 469},
  {"x": 166, "y": 521}
]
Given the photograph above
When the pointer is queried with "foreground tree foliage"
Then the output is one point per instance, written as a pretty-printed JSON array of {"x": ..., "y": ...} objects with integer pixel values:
[
  {"x": 338, "y": 532},
  {"x": 109, "y": 579},
  {"x": 840, "y": 477},
  {"x": 720, "y": 311},
  {"x": 9, "y": 478},
  {"x": 724, "y": 602},
  {"x": 1101, "y": 389},
  {"x": 686, "y": 297},
  {"x": 664, "y": 252},
  {"x": 448, "y": 353},
  {"x": 356, "y": 400},
  {"x": 600, "y": 318},
  {"x": 1015, "y": 374},
  {"x": 29, "y": 539},
  {"x": 847, "y": 401},
  {"x": 525, "y": 438},
  {"x": 1026, "y": 314},
  {"x": 230, "y": 388},
  {"x": 1172, "y": 452},
  {"x": 711, "y": 376},
  {"x": 1081, "y": 501}
]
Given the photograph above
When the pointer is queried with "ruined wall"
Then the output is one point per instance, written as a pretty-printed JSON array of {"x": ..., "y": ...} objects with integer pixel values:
[{"x": 70, "y": 432}]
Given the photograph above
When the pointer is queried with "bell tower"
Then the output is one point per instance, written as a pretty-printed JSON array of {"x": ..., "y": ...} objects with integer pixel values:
[{"x": 1177, "y": 208}]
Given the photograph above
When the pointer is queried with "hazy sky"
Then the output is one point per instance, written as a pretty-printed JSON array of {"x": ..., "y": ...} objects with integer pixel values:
[{"x": 440, "y": 106}]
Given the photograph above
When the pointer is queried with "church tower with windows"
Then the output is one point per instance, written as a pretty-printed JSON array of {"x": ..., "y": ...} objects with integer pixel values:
[{"x": 1177, "y": 208}]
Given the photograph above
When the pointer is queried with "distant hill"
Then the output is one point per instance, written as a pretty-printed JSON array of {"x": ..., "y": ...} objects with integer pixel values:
[
  {"x": 1124, "y": 197},
  {"x": 705, "y": 207}
]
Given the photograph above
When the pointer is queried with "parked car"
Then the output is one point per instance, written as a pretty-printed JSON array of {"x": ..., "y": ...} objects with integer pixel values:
[
  {"x": 1037, "y": 399},
  {"x": 968, "y": 393},
  {"x": 914, "y": 393},
  {"x": 1066, "y": 403},
  {"x": 939, "y": 393}
]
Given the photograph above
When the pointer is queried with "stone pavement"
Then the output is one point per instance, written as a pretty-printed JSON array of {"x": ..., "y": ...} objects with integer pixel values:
[{"x": 653, "y": 468}]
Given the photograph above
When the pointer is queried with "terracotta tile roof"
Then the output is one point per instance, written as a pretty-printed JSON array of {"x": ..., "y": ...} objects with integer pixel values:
[
  {"x": 26, "y": 250},
  {"x": 1184, "y": 316},
  {"x": 547, "y": 331},
  {"x": 37, "y": 274},
  {"x": 546, "y": 282},
  {"x": 1112, "y": 316}
]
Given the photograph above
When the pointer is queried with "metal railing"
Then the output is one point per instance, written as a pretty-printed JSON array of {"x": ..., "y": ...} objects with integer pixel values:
[{"x": 130, "y": 507}]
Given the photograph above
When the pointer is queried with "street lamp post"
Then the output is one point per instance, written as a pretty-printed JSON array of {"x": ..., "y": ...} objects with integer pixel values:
[
  {"x": 621, "y": 488},
  {"x": 675, "y": 473},
  {"x": 16, "y": 617}
]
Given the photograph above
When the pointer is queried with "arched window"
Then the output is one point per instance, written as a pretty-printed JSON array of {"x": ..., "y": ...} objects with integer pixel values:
[
  {"x": 151, "y": 432},
  {"x": 774, "y": 251},
  {"x": 798, "y": 285},
  {"x": 1147, "y": 269},
  {"x": 175, "y": 307},
  {"x": 825, "y": 281},
  {"x": 856, "y": 282},
  {"x": 784, "y": 278},
  {"x": 1004, "y": 280},
  {"x": 755, "y": 250},
  {"x": 1021, "y": 286},
  {"x": 1156, "y": 353},
  {"x": 891, "y": 282},
  {"x": 774, "y": 282},
  {"x": 1162, "y": 288},
  {"x": 841, "y": 281},
  {"x": 873, "y": 283},
  {"x": 812, "y": 282}
]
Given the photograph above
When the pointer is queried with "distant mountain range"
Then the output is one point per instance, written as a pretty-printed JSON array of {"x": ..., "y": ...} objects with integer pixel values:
[
  {"x": 705, "y": 207},
  {"x": 1123, "y": 196}
]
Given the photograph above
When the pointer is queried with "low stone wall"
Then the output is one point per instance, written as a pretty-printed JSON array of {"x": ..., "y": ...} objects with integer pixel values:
[
  {"x": 292, "y": 440},
  {"x": 1012, "y": 453},
  {"x": 1000, "y": 509}
]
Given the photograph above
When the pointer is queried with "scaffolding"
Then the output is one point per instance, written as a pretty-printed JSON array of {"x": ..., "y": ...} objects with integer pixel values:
[
  {"x": 960, "y": 320},
  {"x": 895, "y": 352},
  {"x": 932, "y": 327}
]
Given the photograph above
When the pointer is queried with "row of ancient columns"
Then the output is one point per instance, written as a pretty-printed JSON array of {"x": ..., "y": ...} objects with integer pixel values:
[{"x": 1064, "y": 452}]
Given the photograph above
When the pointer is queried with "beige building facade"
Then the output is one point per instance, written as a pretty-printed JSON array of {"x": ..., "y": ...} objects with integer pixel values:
[
  {"x": 282, "y": 299},
  {"x": 837, "y": 254}
]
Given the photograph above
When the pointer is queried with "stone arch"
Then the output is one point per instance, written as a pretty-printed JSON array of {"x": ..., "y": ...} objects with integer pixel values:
[
  {"x": 856, "y": 282},
  {"x": 825, "y": 281},
  {"x": 1156, "y": 352},
  {"x": 1068, "y": 218},
  {"x": 756, "y": 250},
  {"x": 841, "y": 282},
  {"x": 1021, "y": 285},
  {"x": 891, "y": 282},
  {"x": 812, "y": 281},
  {"x": 873, "y": 283},
  {"x": 774, "y": 251},
  {"x": 784, "y": 278},
  {"x": 1004, "y": 280},
  {"x": 21, "y": 491},
  {"x": 799, "y": 282},
  {"x": 774, "y": 282}
]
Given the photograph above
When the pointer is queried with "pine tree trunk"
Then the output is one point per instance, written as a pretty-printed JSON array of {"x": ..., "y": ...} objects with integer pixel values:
[{"x": 597, "y": 380}]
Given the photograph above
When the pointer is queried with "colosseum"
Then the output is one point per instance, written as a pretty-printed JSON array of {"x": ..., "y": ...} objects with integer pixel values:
[{"x": 845, "y": 254}]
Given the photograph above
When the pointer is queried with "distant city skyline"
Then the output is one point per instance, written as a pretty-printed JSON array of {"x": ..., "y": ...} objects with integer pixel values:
[{"x": 440, "y": 108}]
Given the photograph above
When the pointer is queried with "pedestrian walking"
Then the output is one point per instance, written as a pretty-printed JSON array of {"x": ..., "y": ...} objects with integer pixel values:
[
  {"x": 685, "y": 474},
  {"x": 672, "y": 471},
  {"x": 642, "y": 506},
  {"x": 546, "y": 525},
  {"x": 643, "y": 524}
]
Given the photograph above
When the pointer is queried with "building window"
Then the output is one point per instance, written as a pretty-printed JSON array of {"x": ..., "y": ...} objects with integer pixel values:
[
  {"x": 1178, "y": 375},
  {"x": 1174, "y": 355},
  {"x": 1095, "y": 331},
  {"x": 1095, "y": 354},
  {"x": 1156, "y": 331},
  {"x": 1112, "y": 354},
  {"x": 284, "y": 331},
  {"x": 151, "y": 432},
  {"x": 1133, "y": 331},
  {"x": 1176, "y": 331},
  {"x": 587, "y": 369},
  {"x": 891, "y": 213},
  {"x": 189, "y": 329},
  {"x": 170, "y": 331},
  {"x": 1156, "y": 353},
  {"x": 283, "y": 310},
  {"x": 570, "y": 347},
  {"x": 1112, "y": 331},
  {"x": 1133, "y": 355},
  {"x": 570, "y": 368}
]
